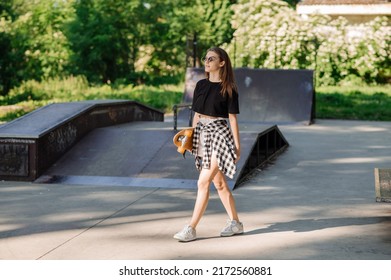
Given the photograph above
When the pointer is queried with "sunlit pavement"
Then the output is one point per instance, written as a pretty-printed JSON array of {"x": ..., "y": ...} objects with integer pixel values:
[{"x": 315, "y": 201}]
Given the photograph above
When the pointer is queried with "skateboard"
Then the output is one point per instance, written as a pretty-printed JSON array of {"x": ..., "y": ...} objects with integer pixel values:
[{"x": 184, "y": 140}]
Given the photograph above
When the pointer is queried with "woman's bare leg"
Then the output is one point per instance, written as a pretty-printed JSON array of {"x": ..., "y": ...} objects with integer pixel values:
[
  {"x": 203, "y": 184},
  {"x": 225, "y": 195}
]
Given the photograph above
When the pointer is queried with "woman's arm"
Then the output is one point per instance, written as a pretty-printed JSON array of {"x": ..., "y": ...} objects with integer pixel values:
[{"x": 233, "y": 121}]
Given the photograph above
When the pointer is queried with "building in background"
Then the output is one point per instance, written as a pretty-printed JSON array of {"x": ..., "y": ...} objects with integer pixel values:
[{"x": 355, "y": 11}]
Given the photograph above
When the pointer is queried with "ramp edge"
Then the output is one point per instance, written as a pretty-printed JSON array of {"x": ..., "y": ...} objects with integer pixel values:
[{"x": 269, "y": 144}]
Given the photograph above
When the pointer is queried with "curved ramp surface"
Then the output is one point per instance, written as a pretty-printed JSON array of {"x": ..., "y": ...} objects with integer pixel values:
[
  {"x": 143, "y": 154},
  {"x": 269, "y": 96}
]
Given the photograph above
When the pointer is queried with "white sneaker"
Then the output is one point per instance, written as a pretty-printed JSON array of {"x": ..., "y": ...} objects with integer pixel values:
[
  {"x": 186, "y": 234},
  {"x": 232, "y": 227}
]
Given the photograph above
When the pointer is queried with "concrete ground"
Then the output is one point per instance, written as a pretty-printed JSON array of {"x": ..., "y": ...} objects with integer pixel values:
[{"x": 315, "y": 202}]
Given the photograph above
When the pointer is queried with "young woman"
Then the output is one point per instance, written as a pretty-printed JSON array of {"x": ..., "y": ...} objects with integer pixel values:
[{"x": 216, "y": 146}]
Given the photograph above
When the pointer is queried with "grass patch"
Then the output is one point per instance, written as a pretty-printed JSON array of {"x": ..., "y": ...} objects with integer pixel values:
[
  {"x": 10, "y": 112},
  {"x": 372, "y": 103},
  {"x": 32, "y": 95},
  {"x": 343, "y": 102}
]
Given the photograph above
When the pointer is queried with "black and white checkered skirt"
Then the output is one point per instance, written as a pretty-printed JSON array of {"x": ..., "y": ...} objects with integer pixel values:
[{"x": 214, "y": 135}]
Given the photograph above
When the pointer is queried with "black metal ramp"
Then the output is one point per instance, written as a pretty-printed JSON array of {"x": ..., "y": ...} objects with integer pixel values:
[
  {"x": 142, "y": 154},
  {"x": 29, "y": 145},
  {"x": 268, "y": 96}
]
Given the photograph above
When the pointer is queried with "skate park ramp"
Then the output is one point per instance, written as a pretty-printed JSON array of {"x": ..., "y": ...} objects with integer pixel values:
[
  {"x": 123, "y": 143},
  {"x": 269, "y": 96},
  {"x": 29, "y": 145},
  {"x": 142, "y": 154}
]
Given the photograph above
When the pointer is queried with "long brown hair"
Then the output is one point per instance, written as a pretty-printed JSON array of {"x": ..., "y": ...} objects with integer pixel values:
[{"x": 228, "y": 84}]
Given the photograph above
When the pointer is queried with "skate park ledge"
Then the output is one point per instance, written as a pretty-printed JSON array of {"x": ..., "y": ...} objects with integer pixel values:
[{"x": 33, "y": 142}]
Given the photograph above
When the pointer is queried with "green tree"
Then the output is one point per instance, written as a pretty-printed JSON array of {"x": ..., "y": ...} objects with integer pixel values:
[
  {"x": 6, "y": 80},
  {"x": 39, "y": 38},
  {"x": 217, "y": 29},
  {"x": 270, "y": 34},
  {"x": 170, "y": 22},
  {"x": 105, "y": 37},
  {"x": 34, "y": 46},
  {"x": 176, "y": 23},
  {"x": 136, "y": 41},
  {"x": 292, "y": 3},
  {"x": 106, "y": 40},
  {"x": 266, "y": 34}
]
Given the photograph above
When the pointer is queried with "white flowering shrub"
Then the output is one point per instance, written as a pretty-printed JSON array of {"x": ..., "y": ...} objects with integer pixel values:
[{"x": 270, "y": 34}]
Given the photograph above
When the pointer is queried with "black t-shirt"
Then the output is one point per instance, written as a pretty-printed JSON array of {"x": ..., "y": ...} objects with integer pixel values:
[{"x": 207, "y": 100}]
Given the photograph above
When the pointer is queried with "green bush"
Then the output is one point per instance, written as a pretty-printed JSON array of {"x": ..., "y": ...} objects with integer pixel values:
[
  {"x": 32, "y": 94},
  {"x": 162, "y": 97},
  {"x": 67, "y": 89},
  {"x": 270, "y": 34},
  {"x": 332, "y": 102}
]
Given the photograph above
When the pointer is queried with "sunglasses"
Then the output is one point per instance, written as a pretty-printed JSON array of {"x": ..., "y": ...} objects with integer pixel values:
[{"x": 209, "y": 59}]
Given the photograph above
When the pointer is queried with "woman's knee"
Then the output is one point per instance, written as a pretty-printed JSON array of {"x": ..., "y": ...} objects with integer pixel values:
[
  {"x": 203, "y": 184},
  {"x": 206, "y": 177},
  {"x": 220, "y": 182},
  {"x": 220, "y": 185}
]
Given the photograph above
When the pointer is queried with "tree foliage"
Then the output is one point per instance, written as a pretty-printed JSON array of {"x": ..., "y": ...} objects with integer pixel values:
[
  {"x": 143, "y": 41},
  {"x": 107, "y": 41},
  {"x": 104, "y": 38},
  {"x": 34, "y": 44},
  {"x": 216, "y": 28},
  {"x": 270, "y": 34}
]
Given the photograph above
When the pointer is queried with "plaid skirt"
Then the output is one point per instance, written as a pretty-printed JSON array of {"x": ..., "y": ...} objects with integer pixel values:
[{"x": 214, "y": 135}]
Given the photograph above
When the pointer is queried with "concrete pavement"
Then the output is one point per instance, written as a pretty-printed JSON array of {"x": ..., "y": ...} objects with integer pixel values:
[{"x": 315, "y": 202}]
